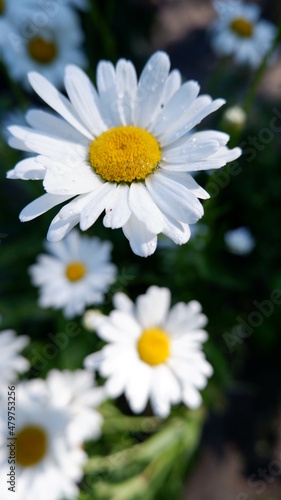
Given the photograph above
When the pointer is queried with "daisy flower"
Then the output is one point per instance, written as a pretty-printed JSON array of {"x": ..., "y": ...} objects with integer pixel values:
[
  {"x": 240, "y": 32},
  {"x": 153, "y": 352},
  {"x": 41, "y": 39},
  {"x": 127, "y": 149},
  {"x": 77, "y": 273},
  {"x": 48, "y": 466},
  {"x": 77, "y": 392},
  {"x": 11, "y": 362},
  {"x": 240, "y": 241}
]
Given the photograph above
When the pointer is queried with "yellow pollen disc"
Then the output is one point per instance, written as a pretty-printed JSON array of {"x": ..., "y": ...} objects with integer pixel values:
[
  {"x": 154, "y": 346},
  {"x": 75, "y": 271},
  {"x": 242, "y": 27},
  {"x": 124, "y": 154},
  {"x": 2, "y": 6},
  {"x": 31, "y": 446},
  {"x": 42, "y": 51}
]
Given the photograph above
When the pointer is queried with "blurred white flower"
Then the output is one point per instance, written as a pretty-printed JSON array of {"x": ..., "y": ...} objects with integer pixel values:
[
  {"x": 126, "y": 149},
  {"x": 77, "y": 273},
  {"x": 40, "y": 36},
  {"x": 11, "y": 362},
  {"x": 235, "y": 117},
  {"x": 89, "y": 318},
  {"x": 240, "y": 241},
  {"x": 48, "y": 466},
  {"x": 153, "y": 352},
  {"x": 76, "y": 391},
  {"x": 239, "y": 32}
]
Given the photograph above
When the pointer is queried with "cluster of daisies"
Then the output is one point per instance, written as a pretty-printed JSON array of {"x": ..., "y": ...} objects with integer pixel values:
[
  {"x": 125, "y": 149},
  {"x": 41, "y": 35},
  {"x": 153, "y": 354}
]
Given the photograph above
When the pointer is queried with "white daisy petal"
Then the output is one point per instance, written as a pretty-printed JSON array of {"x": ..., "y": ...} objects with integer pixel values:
[
  {"x": 42, "y": 205},
  {"x": 60, "y": 228},
  {"x": 84, "y": 98},
  {"x": 191, "y": 397},
  {"x": 178, "y": 232},
  {"x": 117, "y": 211},
  {"x": 138, "y": 387},
  {"x": 126, "y": 86},
  {"x": 152, "y": 308},
  {"x": 106, "y": 83},
  {"x": 54, "y": 126},
  {"x": 27, "y": 169},
  {"x": 11, "y": 362},
  {"x": 57, "y": 101},
  {"x": 171, "y": 86},
  {"x": 144, "y": 208},
  {"x": 96, "y": 206},
  {"x": 195, "y": 116},
  {"x": 142, "y": 241},
  {"x": 174, "y": 108},
  {"x": 150, "y": 88},
  {"x": 174, "y": 199},
  {"x": 123, "y": 303}
]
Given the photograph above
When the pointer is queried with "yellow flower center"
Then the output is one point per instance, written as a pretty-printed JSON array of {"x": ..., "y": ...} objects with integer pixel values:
[
  {"x": 75, "y": 271},
  {"x": 2, "y": 6},
  {"x": 242, "y": 27},
  {"x": 124, "y": 154},
  {"x": 154, "y": 346},
  {"x": 31, "y": 446},
  {"x": 42, "y": 51}
]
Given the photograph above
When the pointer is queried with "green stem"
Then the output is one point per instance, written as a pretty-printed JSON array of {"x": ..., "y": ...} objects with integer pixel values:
[
  {"x": 104, "y": 30},
  {"x": 217, "y": 75},
  {"x": 176, "y": 440}
]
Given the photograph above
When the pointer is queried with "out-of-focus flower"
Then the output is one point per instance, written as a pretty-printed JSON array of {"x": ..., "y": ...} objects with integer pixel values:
[
  {"x": 89, "y": 318},
  {"x": 76, "y": 274},
  {"x": 240, "y": 241},
  {"x": 126, "y": 149},
  {"x": 48, "y": 466},
  {"x": 11, "y": 362},
  {"x": 234, "y": 119},
  {"x": 41, "y": 36},
  {"x": 76, "y": 391},
  {"x": 153, "y": 353},
  {"x": 240, "y": 32}
]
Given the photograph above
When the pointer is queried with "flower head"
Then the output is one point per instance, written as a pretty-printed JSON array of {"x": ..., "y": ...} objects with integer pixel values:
[
  {"x": 48, "y": 464},
  {"x": 239, "y": 32},
  {"x": 11, "y": 362},
  {"x": 153, "y": 352},
  {"x": 239, "y": 241},
  {"x": 127, "y": 149},
  {"x": 40, "y": 36},
  {"x": 76, "y": 274}
]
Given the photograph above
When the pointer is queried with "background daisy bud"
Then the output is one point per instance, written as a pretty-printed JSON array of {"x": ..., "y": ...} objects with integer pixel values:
[{"x": 234, "y": 119}]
